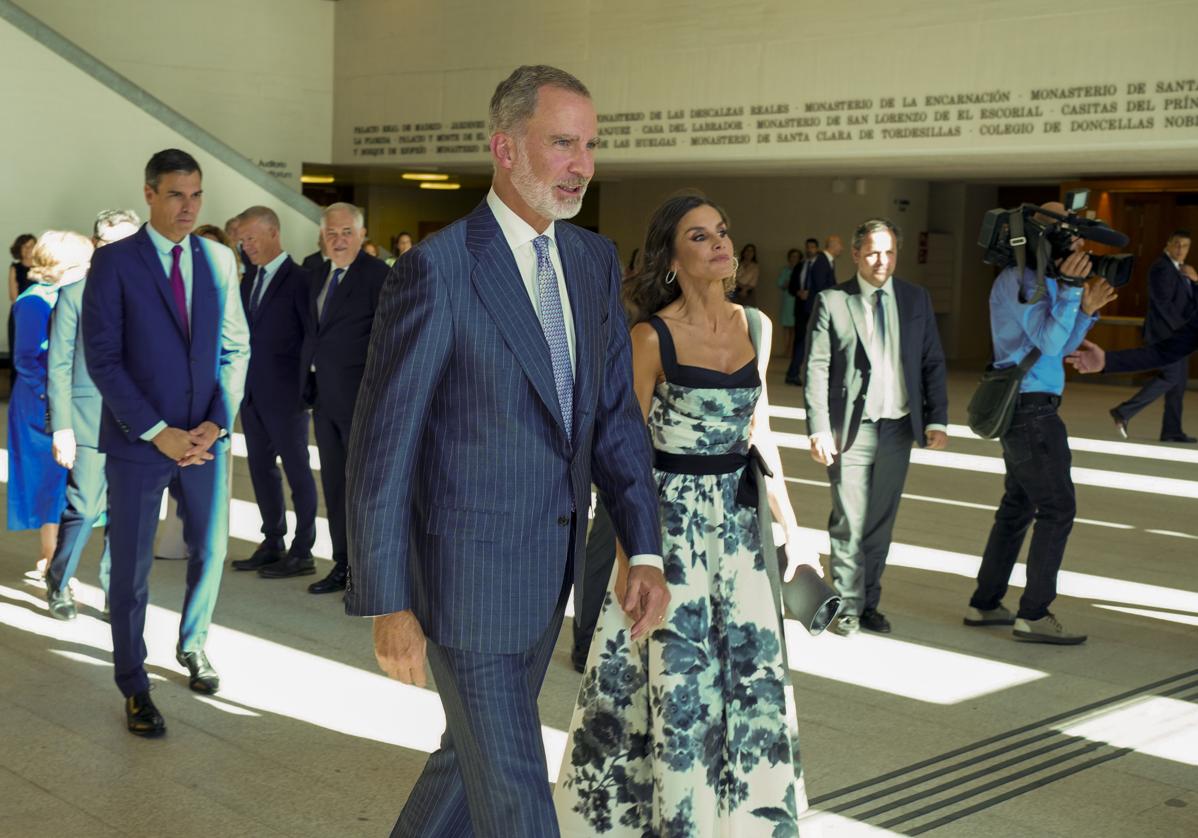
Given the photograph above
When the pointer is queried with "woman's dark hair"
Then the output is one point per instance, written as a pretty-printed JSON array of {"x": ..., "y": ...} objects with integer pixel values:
[
  {"x": 636, "y": 251},
  {"x": 19, "y": 243},
  {"x": 745, "y": 250},
  {"x": 646, "y": 291},
  {"x": 794, "y": 251}
]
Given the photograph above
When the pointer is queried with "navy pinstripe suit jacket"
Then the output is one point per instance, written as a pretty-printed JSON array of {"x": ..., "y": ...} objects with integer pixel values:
[{"x": 461, "y": 478}]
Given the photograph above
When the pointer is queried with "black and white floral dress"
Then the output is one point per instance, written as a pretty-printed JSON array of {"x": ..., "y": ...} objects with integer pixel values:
[{"x": 691, "y": 731}]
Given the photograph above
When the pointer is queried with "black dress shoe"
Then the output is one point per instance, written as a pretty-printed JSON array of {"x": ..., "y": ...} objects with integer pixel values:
[
  {"x": 61, "y": 602},
  {"x": 578, "y": 659},
  {"x": 289, "y": 566},
  {"x": 332, "y": 583},
  {"x": 873, "y": 620},
  {"x": 262, "y": 557},
  {"x": 203, "y": 678},
  {"x": 1120, "y": 423},
  {"x": 142, "y": 717},
  {"x": 1178, "y": 438}
]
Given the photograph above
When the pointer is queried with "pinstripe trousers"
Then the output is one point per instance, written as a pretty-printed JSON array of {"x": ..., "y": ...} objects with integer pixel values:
[{"x": 488, "y": 778}]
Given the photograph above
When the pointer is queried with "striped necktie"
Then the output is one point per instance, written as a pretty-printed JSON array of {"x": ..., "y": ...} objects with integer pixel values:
[{"x": 553, "y": 324}]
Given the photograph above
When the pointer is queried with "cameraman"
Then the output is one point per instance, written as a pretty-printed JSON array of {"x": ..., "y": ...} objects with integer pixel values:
[{"x": 1038, "y": 485}]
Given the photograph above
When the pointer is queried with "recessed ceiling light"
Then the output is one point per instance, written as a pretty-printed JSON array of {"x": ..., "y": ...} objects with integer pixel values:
[
  {"x": 440, "y": 186},
  {"x": 424, "y": 176},
  {"x": 317, "y": 179}
]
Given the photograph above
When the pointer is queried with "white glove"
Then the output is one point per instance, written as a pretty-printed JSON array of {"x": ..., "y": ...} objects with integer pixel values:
[{"x": 64, "y": 448}]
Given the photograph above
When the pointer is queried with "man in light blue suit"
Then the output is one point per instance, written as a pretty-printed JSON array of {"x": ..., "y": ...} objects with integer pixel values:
[
  {"x": 497, "y": 387},
  {"x": 75, "y": 421},
  {"x": 167, "y": 345}
]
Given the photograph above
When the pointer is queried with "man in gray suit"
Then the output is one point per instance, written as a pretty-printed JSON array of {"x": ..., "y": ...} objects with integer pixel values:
[
  {"x": 75, "y": 420},
  {"x": 875, "y": 383}
]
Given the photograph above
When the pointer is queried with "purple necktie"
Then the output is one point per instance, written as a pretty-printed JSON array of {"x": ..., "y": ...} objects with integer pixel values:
[{"x": 178, "y": 290}]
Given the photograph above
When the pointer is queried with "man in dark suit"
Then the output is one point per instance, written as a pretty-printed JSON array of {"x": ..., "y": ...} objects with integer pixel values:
[
  {"x": 275, "y": 294},
  {"x": 499, "y": 383},
  {"x": 875, "y": 383},
  {"x": 341, "y": 303},
  {"x": 816, "y": 273},
  {"x": 314, "y": 262},
  {"x": 75, "y": 421},
  {"x": 1172, "y": 300},
  {"x": 167, "y": 346}
]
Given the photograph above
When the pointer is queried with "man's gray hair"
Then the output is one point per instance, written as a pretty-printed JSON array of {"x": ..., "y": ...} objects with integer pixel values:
[
  {"x": 264, "y": 214},
  {"x": 342, "y": 206},
  {"x": 877, "y": 225},
  {"x": 109, "y": 218},
  {"x": 515, "y": 98}
]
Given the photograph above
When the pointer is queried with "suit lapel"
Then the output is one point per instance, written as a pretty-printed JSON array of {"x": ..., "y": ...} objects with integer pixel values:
[
  {"x": 149, "y": 255},
  {"x": 318, "y": 281},
  {"x": 499, "y": 286},
  {"x": 581, "y": 286},
  {"x": 278, "y": 279},
  {"x": 856, "y": 304},
  {"x": 205, "y": 317}
]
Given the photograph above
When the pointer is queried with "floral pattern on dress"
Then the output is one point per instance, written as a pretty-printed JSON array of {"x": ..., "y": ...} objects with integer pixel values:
[{"x": 691, "y": 731}]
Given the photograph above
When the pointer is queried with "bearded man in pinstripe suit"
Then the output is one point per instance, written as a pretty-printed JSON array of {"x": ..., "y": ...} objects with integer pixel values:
[{"x": 498, "y": 387}]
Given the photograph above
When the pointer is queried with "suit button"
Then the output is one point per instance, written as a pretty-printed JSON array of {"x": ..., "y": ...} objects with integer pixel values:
[{"x": 563, "y": 520}]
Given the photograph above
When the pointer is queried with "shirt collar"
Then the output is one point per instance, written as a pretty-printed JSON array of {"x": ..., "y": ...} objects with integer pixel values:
[
  {"x": 516, "y": 230},
  {"x": 272, "y": 267},
  {"x": 162, "y": 244},
  {"x": 866, "y": 285},
  {"x": 831, "y": 258}
]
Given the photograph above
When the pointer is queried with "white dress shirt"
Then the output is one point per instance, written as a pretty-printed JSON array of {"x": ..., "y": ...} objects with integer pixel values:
[
  {"x": 519, "y": 235},
  {"x": 272, "y": 268}
]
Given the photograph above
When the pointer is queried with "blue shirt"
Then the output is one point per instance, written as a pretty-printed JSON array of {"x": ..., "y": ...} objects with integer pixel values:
[
  {"x": 164, "y": 246},
  {"x": 1055, "y": 323}
]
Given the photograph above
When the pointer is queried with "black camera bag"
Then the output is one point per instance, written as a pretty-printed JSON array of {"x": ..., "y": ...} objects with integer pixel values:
[{"x": 993, "y": 403}]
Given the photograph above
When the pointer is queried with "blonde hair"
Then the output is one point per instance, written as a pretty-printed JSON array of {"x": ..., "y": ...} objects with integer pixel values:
[{"x": 56, "y": 252}]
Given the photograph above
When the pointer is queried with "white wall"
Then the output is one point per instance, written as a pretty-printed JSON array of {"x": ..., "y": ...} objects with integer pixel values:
[
  {"x": 407, "y": 62},
  {"x": 79, "y": 148},
  {"x": 257, "y": 75}
]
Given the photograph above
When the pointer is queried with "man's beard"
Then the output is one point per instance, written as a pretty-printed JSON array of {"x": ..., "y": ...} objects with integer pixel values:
[{"x": 541, "y": 196}]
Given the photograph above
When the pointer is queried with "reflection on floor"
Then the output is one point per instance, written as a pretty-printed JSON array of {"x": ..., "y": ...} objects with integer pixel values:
[{"x": 936, "y": 729}]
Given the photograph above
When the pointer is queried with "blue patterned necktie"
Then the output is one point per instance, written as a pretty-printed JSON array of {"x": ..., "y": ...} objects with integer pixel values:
[
  {"x": 256, "y": 297},
  {"x": 328, "y": 295},
  {"x": 553, "y": 323}
]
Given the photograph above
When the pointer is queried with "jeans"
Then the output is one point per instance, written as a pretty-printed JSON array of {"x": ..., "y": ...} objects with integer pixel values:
[{"x": 1038, "y": 487}]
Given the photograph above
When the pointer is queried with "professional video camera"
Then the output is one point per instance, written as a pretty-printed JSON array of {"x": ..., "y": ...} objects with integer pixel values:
[{"x": 1032, "y": 236}]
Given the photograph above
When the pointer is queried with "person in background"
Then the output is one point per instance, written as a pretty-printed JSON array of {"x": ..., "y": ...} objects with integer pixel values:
[
  {"x": 75, "y": 408},
  {"x": 167, "y": 345},
  {"x": 786, "y": 317},
  {"x": 214, "y": 234},
  {"x": 313, "y": 262},
  {"x": 1038, "y": 485},
  {"x": 370, "y": 248},
  {"x": 18, "y": 281},
  {"x": 1172, "y": 300},
  {"x": 273, "y": 416},
  {"x": 814, "y": 274},
  {"x": 341, "y": 305},
  {"x": 37, "y": 484},
  {"x": 401, "y": 244},
  {"x": 747, "y": 275}
]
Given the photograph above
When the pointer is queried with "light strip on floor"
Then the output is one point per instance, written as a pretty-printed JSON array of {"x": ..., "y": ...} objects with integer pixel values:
[
  {"x": 1167, "y": 616},
  {"x": 1101, "y": 478},
  {"x": 1077, "y": 443},
  {"x": 817, "y": 824},
  {"x": 1155, "y": 726},
  {"x": 259, "y": 675}
]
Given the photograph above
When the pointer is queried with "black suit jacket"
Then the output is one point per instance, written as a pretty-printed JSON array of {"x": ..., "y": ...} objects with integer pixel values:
[
  {"x": 820, "y": 276},
  {"x": 1181, "y": 344},
  {"x": 337, "y": 347},
  {"x": 1170, "y": 300},
  {"x": 277, "y": 332},
  {"x": 312, "y": 262},
  {"x": 838, "y": 365}
]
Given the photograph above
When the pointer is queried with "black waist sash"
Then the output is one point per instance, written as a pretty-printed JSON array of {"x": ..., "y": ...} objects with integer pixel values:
[{"x": 746, "y": 489}]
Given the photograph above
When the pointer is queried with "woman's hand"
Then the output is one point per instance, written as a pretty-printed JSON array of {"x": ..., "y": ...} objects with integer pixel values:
[{"x": 800, "y": 551}]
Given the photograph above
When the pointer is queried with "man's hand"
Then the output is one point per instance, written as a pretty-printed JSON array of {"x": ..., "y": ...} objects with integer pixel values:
[
  {"x": 645, "y": 599},
  {"x": 1190, "y": 272},
  {"x": 823, "y": 448},
  {"x": 1096, "y": 293},
  {"x": 202, "y": 438},
  {"x": 1089, "y": 357},
  {"x": 399, "y": 647},
  {"x": 173, "y": 443},
  {"x": 936, "y": 440},
  {"x": 63, "y": 448},
  {"x": 1077, "y": 264}
]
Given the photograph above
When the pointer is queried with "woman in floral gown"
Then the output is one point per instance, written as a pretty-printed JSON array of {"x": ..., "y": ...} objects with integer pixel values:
[{"x": 691, "y": 730}]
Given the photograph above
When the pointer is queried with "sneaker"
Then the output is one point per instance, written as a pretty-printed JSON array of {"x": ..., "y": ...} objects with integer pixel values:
[
  {"x": 1045, "y": 630},
  {"x": 847, "y": 625},
  {"x": 997, "y": 616},
  {"x": 61, "y": 603}
]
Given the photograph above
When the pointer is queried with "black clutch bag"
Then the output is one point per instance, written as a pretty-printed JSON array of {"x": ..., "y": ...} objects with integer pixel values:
[{"x": 808, "y": 598}]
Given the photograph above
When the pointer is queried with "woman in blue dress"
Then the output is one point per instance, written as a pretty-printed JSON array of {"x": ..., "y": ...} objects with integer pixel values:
[
  {"x": 36, "y": 483},
  {"x": 691, "y": 730}
]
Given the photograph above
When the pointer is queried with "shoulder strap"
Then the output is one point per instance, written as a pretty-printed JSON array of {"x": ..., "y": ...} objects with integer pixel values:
[
  {"x": 1029, "y": 359},
  {"x": 669, "y": 358},
  {"x": 754, "y": 318}
]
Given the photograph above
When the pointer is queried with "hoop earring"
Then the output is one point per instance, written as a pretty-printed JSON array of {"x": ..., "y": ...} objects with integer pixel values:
[
  {"x": 671, "y": 276},
  {"x": 735, "y": 265}
]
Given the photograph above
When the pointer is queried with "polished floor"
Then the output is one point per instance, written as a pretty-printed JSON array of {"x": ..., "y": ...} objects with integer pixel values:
[{"x": 937, "y": 729}]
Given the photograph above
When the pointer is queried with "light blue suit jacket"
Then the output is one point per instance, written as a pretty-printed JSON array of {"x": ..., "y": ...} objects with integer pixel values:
[
  {"x": 462, "y": 481},
  {"x": 75, "y": 402}
]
